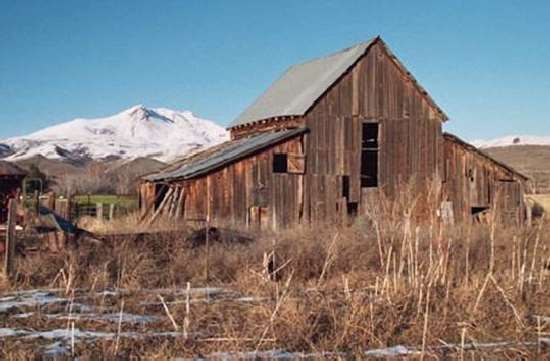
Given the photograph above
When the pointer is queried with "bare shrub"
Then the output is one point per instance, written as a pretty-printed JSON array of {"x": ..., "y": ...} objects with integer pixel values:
[{"x": 91, "y": 180}]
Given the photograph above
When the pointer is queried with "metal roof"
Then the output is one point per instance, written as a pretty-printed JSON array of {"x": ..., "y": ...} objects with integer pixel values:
[
  {"x": 215, "y": 157},
  {"x": 301, "y": 85}
]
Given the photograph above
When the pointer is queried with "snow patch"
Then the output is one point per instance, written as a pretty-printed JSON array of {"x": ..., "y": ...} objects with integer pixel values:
[
  {"x": 159, "y": 133},
  {"x": 512, "y": 140},
  {"x": 30, "y": 299},
  {"x": 78, "y": 334}
]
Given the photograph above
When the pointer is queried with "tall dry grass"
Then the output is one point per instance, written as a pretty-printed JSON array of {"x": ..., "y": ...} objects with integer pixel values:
[{"x": 384, "y": 281}]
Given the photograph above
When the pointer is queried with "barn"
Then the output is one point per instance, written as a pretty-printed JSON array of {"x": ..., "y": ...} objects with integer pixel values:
[
  {"x": 473, "y": 181},
  {"x": 319, "y": 142},
  {"x": 11, "y": 178}
]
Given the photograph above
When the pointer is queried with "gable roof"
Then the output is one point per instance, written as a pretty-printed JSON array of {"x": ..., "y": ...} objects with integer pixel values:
[
  {"x": 220, "y": 155},
  {"x": 295, "y": 92},
  {"x": 454, "y": 138}
]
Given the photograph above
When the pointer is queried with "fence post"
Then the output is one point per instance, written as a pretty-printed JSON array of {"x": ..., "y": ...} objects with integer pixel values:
[
  {"x": 50, "y": 202},
  {"x": 99, "y": 211},
  {"x": 70, "y": 208},
  {"x": 36, "y": 201},
  {"x": 207, "y": 265},
  {"x": 10, "y": 238},
  {"x": 111, "y": 211}
]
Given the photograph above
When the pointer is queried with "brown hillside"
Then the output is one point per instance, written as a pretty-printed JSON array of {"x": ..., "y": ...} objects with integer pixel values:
[
  {"x": 532, "y": 160},
  {"x": 116, "y": 176}
]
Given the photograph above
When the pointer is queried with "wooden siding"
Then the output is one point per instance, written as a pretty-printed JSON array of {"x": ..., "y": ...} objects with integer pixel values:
[
  {"x": 410, "y": 140},
  {"x": 146, "y": 191},
  {"x": 472, "y": 181},
  {"x": 243, "y": 191}
]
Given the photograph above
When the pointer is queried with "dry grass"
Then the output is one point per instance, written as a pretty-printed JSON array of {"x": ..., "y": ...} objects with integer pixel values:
[{"x": 384, "y": 281}]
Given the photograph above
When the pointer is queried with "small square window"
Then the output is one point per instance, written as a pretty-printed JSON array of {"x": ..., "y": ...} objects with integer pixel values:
[{"x": 280, "y": 163}]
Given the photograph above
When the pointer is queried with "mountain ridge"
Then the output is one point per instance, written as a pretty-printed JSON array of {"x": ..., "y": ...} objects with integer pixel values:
[{"x": 137, "y": 132}]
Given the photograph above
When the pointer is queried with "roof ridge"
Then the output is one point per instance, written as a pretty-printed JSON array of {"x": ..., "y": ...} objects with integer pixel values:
[{"x": 338, "y": 52}]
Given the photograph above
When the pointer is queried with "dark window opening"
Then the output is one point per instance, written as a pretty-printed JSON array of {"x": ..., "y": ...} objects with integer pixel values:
[
  {"x": 369, "y": 168},
  {"x": 369, "y": 155},
  {"x": 370, "y": 135},
  {"x": 477, "y": 210},
  {"x": 479, "y": 214},
  {"x": 160, "y": 193},
  {"x": 345, "y": 186},
  {"x": 353, "y": 209},
  {"x": 280, "y": 163}
]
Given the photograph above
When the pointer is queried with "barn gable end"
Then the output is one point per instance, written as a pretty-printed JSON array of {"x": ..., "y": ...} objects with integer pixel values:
[
  {"x": 302, "y": 86},
  {"x": 377, "y": 91}
]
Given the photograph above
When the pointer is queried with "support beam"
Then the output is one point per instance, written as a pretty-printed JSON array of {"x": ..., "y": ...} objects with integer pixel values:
[
  {"x": 181, "y": 204},
  {"x": 162, "y": 205}
]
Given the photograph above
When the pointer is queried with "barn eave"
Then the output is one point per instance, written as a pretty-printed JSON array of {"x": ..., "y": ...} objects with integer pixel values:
[{"x": 217, "y": 157}]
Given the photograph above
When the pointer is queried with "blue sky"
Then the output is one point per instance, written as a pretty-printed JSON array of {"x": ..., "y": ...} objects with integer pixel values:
[{"x": 486, "y": 63}]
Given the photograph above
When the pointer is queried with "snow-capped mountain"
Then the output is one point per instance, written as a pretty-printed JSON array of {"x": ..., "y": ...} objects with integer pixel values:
[
  {"x": 157, "y": 133},
  {"x": 512, "y": 140}
]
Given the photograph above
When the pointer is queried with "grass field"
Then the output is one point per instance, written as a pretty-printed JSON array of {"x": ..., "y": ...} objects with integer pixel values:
[{"x": 122, "y": 201}]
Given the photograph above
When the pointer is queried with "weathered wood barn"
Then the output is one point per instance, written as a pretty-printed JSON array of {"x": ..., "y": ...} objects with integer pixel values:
[
  {"x": 324, "y": 137},
  {"x": 473, "y": 181},
  {"x": 11, "y": 178}
]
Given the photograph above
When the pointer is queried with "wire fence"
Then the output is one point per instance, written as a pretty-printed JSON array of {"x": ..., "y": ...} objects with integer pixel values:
[{"x": 105, "y": 211}]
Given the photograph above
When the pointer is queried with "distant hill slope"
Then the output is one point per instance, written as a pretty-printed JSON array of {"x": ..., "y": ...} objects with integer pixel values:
[
  {"x": 135, "y": 168},
  {"x": 115, "y": 176},
  {"x": 512, "y": 140},
  {"x": 138, "y": 132},
  {"x": 532, "y": 160},
  {"x": 53, "y": 168}
]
